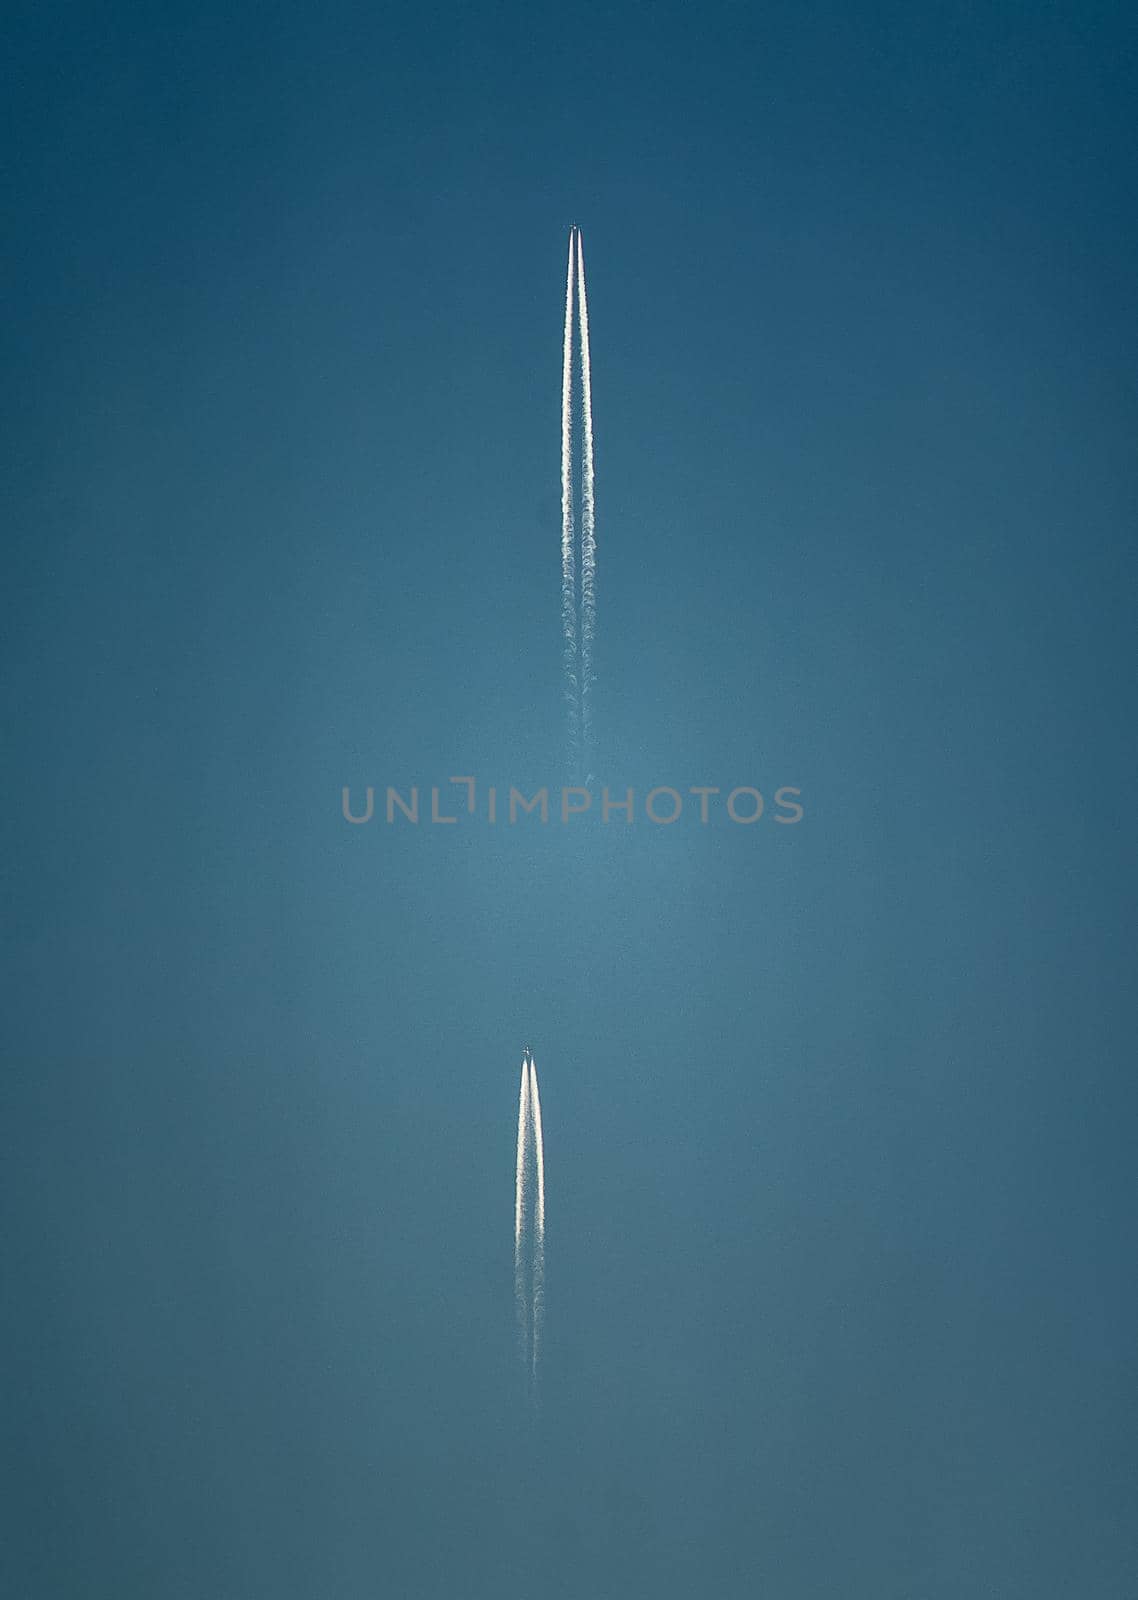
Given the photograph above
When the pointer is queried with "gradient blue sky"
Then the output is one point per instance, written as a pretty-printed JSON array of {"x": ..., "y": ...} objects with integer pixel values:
[{"x": 839, "y": 1118}]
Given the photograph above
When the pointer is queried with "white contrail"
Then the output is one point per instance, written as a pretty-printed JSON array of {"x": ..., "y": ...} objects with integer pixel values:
[
  {"x": 588, "y": 521},
  {"x": 569, "y": 648},
  {"x": 539, "y": 1219},
  {"x": 529, "y": 1224},
  {"x": 519, "y": 1211}
]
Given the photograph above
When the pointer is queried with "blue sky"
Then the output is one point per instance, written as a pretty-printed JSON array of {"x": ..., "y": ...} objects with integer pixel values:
[{"x": 840, "y": 1185}]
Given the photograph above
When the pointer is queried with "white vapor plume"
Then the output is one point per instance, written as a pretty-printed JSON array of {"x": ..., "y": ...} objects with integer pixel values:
[
  {"x": 529, "y": 1224},
  {"x": 569, "y": 646},
  {"x": 578, "y": 552},
  {"x": 519, "y": 1211},
  {"x": 588, "y": 520},
  {"x": 539, "y": 1219}
]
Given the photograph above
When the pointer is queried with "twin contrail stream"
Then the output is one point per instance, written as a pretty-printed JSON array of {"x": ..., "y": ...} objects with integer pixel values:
[
  {"x": 588, "y": 523},
  {"x": 519, "y": 1214},
  {"x": 538, "y": 1221},
  {"x": 571, "y": 664},
  {"x": 578, "y": 600},
  {"x": 529, "y": 1222}
]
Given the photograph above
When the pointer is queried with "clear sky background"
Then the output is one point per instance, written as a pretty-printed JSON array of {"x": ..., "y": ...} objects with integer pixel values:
[{"x": 839, "y": 1118}]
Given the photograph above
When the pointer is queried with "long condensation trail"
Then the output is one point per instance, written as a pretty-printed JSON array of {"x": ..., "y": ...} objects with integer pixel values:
[
  {"x": 570, "y": 657},
  {"x": 588, "y": 520},
  {"x": 539, "y": 1218},
  {"x": 519, "y": 1211},
  {"x": 529, "y": 1224}
]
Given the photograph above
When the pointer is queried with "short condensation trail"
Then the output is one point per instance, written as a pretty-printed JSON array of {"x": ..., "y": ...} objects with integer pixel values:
[
  {"x": 588, "y": 521},
  {"x": 539, "y": 1217},
  {"x": 519, "y": 1211},
  {"x": 570, "y": 655}
]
